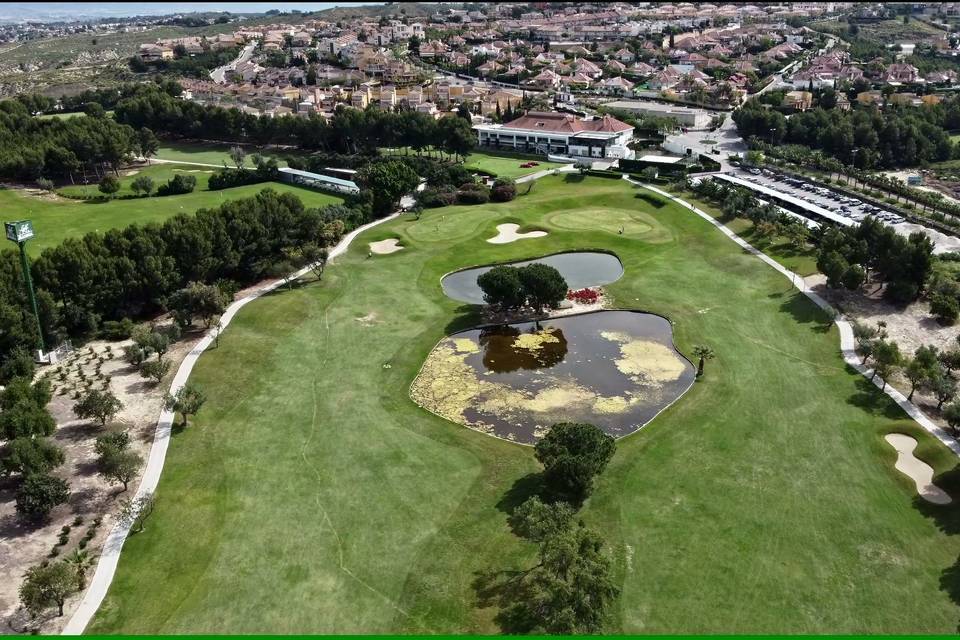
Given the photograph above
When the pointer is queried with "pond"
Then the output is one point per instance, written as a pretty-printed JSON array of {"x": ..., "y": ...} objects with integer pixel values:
[
  {"x": 580, "y": 269},
  {"x": 614, "y": 369}
]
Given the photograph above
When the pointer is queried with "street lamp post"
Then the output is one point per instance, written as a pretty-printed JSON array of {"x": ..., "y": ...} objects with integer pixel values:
[{"x": 19, "y": 232}]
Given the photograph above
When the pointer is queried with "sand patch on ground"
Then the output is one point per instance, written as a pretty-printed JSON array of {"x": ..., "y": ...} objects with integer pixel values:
[
  {"x": 651, "y": 362},
  {"x": 507, "y": 233},
  {"x": 368, "y": 319},
  {"x": 917, "y": 470},
  {"x": 194, "y": 170},
  {"x": 385, "y": 247},
  {"x": 131, "y": 172}
]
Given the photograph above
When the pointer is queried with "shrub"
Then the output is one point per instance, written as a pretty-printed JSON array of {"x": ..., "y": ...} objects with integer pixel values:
[
  {"x": 437, "y": 197},
  {"x": 584, "y": 296},
  {"x": 473, "y": 194},
  {"x": 109, "y": 185},
  {"x": 503, "y": 190},
  {"x": 117, "y": 330},
  {"x": 177, "y": 185},
  {"x": 945, "y": 308},
  {"x": 901, "y": 292},
  {"x": 39, "y": 494}
]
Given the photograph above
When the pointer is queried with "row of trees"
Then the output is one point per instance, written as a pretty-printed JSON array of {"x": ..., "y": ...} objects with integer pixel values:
[
  {"x": 349, "y": 131},
  {"x": 31, "y": 148},
  {"x": 927, "y": 203},
  {"x": 898, "y": 136},
  {"x": 570, "y": 589},
  {"x": 847, "y": 255},
  {"x": 134, "y": 271}
]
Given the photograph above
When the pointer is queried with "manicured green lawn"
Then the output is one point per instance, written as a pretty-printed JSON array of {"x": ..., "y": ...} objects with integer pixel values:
[
  {"x": 504, "y": 166},
  {"x": 799, "y": 260},
  {"x": 311, "y": 495},
  {"x": 160, "y": 173},
  {"x": 210, "y": 153},
  {"x": 57, "y": 218}
]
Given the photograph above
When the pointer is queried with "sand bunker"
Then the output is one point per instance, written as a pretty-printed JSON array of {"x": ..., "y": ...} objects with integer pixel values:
[
  {"x": 507, "y": 233},
  {"x": 920, "y": 472},
  {"x": 384, "y": 247}
]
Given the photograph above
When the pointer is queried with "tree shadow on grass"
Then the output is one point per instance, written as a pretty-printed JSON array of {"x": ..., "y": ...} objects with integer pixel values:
[
  {"x": 805, "y": 312},
  {"x": 467, "y": 316},
  {"x": 872, "y": 400},
  {"x": 573, "y": 178},
  {"x": 950, "y": 583},
  {"x": 522, "y": 490},
  {"x": 504, "y": 589}
]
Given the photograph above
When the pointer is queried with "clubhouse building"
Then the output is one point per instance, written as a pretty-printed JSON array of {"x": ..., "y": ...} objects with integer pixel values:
[{"x": 563, "y": 134}]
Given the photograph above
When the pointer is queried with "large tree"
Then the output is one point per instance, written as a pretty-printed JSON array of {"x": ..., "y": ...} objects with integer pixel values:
[
  {"x": 543, "y": 285},
  {"x": 387, "y": 182},
  {"x": 99, "y": 405},
  {"x": 568, "y": 592},
  {"x": 47, "y": 585},
  {"x": 39, "y": 494},
  {"x": 572, "y": 454},
  {"x": 501, "y": 286},
  {"x": 28, "y": 456}
]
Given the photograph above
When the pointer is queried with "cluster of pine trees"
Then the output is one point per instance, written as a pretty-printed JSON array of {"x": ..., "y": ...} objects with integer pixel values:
[{"x": 132, "y": 272}]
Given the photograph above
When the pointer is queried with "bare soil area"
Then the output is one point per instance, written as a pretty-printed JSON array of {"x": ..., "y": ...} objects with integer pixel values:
[
  {"x": 910, "y": 327},
  {"x": 93, "y": 502}
]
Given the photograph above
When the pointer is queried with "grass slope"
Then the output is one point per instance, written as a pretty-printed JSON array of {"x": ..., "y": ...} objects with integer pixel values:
[
  {"x": 311, "y": 495},
  {"x": 55, "y": 219}
]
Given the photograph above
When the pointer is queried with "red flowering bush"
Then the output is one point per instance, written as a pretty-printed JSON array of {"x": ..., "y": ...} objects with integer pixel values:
[{"x": 583, "y": 296}]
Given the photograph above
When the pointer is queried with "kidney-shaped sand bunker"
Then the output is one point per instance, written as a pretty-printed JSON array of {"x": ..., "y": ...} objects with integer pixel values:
[{"x": 614, "y": 369}]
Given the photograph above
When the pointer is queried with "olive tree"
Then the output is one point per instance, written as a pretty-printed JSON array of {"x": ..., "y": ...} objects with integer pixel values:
[
  {"x": 99, "y": 405},
  {"x": 47, "y": 585},
  {"x": 187, "y": 401},
  {"x": 38, "y": 495}
]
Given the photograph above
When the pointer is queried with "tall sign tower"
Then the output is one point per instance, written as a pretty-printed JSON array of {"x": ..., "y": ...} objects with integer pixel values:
[{"x": 19, "y": 232}]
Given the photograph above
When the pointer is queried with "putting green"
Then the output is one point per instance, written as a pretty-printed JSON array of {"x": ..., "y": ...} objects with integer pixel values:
[
  {"x": 633, "y": 222},
  {"x": 312, "y": 495}
]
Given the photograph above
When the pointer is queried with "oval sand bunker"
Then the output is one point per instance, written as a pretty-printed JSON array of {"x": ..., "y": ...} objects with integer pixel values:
[
  {"x": 920, "y": 472},
  {"x": 507, "y": 233},
  {"x": 384, "y": 247}
]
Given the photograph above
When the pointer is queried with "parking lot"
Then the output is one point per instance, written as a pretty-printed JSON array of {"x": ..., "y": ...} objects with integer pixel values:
[{"x": 844, "y": 206}]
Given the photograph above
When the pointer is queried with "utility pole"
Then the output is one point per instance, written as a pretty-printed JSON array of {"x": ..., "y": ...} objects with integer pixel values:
[{"x": 19, "y": 232}]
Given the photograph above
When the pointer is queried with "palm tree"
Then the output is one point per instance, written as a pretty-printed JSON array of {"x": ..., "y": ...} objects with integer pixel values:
[
  {"x": 704, "y": 353},
  {"x": 81, "y": 562}
]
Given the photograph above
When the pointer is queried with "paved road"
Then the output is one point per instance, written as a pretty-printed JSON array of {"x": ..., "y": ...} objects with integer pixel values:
[{"x": 218, "y": 75}]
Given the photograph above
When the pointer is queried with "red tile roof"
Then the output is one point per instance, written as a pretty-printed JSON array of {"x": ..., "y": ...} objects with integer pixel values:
[{"x": 565, "y": 123}]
